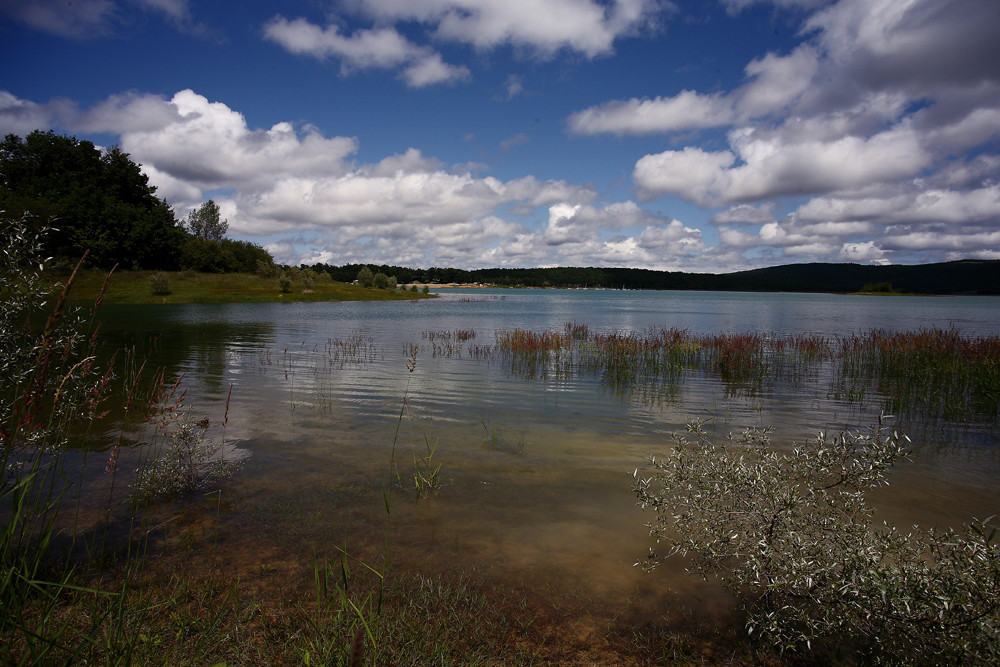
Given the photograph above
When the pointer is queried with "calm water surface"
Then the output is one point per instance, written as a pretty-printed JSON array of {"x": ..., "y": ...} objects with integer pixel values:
[{"x": 537, "y": 470}]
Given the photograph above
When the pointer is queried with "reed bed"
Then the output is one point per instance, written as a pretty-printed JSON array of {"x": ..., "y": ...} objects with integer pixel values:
[
  {"x": 447, "y": 343},
  {"x": 932, "y": 372}
]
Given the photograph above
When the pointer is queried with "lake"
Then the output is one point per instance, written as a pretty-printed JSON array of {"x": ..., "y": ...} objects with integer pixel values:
[{"x": 330, "y": 403}]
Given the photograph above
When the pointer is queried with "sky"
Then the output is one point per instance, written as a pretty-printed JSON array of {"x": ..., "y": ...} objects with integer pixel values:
[{"x": 689, "y": 135}]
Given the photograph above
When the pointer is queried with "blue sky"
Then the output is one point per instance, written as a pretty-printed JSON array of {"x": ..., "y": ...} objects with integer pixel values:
[{"x": 707, "y": 136}]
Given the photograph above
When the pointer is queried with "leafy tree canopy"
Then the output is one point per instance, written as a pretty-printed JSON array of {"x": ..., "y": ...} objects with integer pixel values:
[
  {"x": 206, "y": 223},
  {"x": 96, "y": 200}
]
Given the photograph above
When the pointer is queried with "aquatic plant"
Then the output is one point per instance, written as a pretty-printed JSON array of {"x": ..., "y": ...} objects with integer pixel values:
[
  {"x": 931, "y": 371},
  {"x": 792, "y": 535},
  {"x": 938, "y": 374},
  {"x": 187, "y": 464},
  {"x": 51, "y": 388}
]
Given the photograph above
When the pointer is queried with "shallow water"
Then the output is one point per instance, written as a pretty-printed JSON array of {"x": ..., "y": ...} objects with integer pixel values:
[{"x": 536, "y": 470}]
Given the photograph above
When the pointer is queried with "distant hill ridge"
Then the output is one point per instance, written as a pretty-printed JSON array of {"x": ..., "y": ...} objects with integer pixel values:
[{"x": 969, "y": 276}]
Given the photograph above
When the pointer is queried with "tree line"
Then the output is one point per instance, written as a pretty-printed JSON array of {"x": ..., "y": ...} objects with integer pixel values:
[
  {"x": 958, "y": 277},
  {"x": 100, "y": 202}
]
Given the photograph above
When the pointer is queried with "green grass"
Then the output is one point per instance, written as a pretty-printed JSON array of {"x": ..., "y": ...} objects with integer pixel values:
[{"x": 134, "y": 287}]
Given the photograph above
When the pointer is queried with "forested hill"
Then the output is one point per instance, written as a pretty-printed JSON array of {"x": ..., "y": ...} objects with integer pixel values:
[{"x": 961, "y": 277}]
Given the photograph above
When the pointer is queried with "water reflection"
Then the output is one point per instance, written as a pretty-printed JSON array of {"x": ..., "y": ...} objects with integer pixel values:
[{"x": 535, "y": 454}]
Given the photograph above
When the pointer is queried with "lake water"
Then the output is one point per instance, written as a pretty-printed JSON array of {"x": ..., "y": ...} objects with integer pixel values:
[{"x": 536, "y": 469}]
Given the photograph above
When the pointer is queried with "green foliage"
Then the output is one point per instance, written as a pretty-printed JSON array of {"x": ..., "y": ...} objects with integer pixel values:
[
  {"x": 382, "y": 281},
  {"x": 365, "y": 277},
  {"x": 960, "y": 277},
  {"x": 187, "y": 465},
  {"x": 248, "y": 257},
  {"x": 266, "y": 269},
  {"x": 160, "y": 283},
  {"x": 226, "y": 256},
  {"x": 206, "y": 222},
  {"x": 99, "y": 202},
  {"x": 285, "y": 284},
  {"x": 792, "y": 535},
  {"x": 878, "y": 288},
  {"x": 49, "y": 385}
]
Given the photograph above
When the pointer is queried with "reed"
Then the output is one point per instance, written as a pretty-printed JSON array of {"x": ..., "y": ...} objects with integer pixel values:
[
  {"x": 930, "y": 371},
  {"x": 941, "y": 374}
]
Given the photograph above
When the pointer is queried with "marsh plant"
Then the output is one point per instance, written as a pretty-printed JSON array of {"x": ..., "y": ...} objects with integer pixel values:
[
  {"x": 791, "y": 534},
  {"x": 935, "y": 373},
  {"x": 51, "y": 389},
  {"x": 426, "y": 472},
  {"x": 187, "y": 464}
]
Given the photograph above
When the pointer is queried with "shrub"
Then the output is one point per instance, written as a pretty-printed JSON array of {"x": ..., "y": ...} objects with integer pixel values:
[
  {"x": 160, "y": 283},
  {"x": 365, "y": 277},
  {"x": 266, "y": 269},
  {"x": 792, "y": 536},
  {"x": 187, "y": 465},
  {"x": 426, "y": 289},
  {"x": 285, "y": 284},
  {"x": 383, "y": 281}
]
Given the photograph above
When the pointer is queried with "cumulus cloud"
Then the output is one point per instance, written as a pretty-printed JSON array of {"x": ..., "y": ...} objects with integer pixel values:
[
  {"x": 543, "y": 27},
  {"x": 209, "y": 145},
  {"x": 540, "y": 27},
  {"x": 381, "y": 48},
  {"x": 687, "y": 110},
  {"x": 770, "y": 165},
  {"x": 884, "y": 120},
  {"x": 774, "y": 84},
  {"x": 287, "y": 180}
]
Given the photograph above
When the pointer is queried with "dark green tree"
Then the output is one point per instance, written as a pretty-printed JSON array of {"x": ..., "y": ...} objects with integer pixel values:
[{"x": 94, "y": 200}]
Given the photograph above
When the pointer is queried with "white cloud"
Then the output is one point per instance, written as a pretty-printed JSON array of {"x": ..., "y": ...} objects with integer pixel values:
[
  {"x": 687, "y": 110},
  {"x": 381, "y": 48},
  {"x": 861, "y": 253},
  {"x": 770, "y": 165},
  {"x": 933, "y": 206},
  {"x": 776, "y": 82},
  {"x": 736, "y": 6},
  {"x": 20, "y": 117},
  {"x": 920, "y": 45},
  {"x": 541, "y": 26},
  {"x": 885, "y": 117},
  {"x": 746, "y": 213},
  {"x": 209, "y": 145}
]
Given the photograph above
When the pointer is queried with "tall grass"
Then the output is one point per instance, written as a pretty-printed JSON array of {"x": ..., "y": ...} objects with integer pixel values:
[
  {"x": 932, "y": 372},
  {"x": 56, "y": 605}
]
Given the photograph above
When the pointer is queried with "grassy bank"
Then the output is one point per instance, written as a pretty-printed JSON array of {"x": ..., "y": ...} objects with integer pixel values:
[{"x": 135, "y": 287}]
